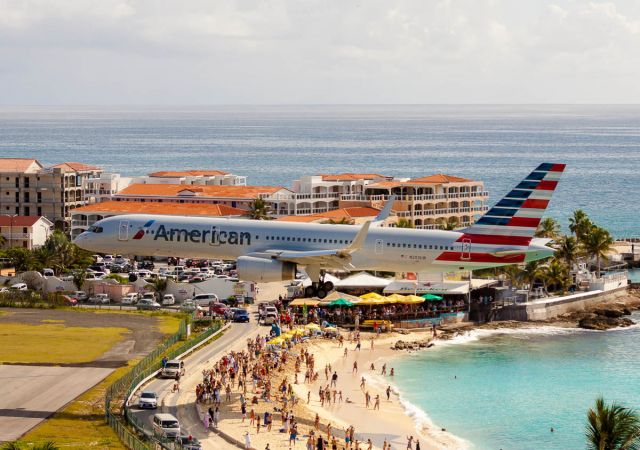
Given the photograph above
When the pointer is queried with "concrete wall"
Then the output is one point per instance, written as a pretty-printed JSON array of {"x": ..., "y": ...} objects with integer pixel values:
[{"x": 549, "y": 309}]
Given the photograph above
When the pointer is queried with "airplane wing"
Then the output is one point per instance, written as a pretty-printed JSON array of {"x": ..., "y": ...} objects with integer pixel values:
[
  {"x": 384, "y": 213},
  {"x": 336, "y": 259}
]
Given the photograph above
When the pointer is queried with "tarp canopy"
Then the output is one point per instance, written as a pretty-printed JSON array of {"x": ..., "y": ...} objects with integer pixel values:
[{"x": 363, "y": 280}]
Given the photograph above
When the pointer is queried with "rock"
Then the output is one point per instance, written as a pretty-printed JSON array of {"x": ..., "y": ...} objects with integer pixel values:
[
  {"x": 609, "y": 311},
  {"x": 604, "y": 323},
  {"x": 400, "y": 345},
  {"x": 423, "y": 344}
]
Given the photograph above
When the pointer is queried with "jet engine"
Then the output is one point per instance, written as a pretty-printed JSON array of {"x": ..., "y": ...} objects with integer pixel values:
[{"x": 251, "y": 268}]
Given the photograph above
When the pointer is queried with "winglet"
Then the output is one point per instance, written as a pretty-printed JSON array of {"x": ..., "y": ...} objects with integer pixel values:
[
  {"x": 358, "y": 241},
  {"x": 384, "y": 213}
]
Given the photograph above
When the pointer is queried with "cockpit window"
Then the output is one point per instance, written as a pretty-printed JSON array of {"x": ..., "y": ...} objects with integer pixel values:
[{"x": 95, "y": 229}]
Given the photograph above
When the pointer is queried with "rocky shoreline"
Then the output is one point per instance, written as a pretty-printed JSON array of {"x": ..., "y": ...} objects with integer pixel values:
[{"x": 601, "y": 317}]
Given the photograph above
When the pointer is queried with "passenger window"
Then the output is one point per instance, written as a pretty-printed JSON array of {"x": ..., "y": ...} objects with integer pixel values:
[
  {"x": 325, "y": 241},
  {"x": 288, "y": 238},
  {"x": 415, "y": 246}
]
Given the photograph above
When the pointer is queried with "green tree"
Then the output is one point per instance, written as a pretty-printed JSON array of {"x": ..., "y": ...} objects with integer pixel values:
[
  {"x": 404, "y": 223},
  {"x": 259, "y": 210},
  {"x": 580, "y": 224},
  {"x": 532, "y": 272},
  {"x": 3, "y": 240},
  {"x": 612, "y": 427},
  {"x": 548, "y": 228},
  {"x": 341, "y": 221},
  {"x": 79, "y": 277},
  {"x": 556, "y": 275},
  {"x": 513, "y": 273},
  {"x": 159, "y": 285},
  {"x": 568, "y": 250},
  {"x": 597, "y": 242},
  {"x": 21, "y": 258},
  {"x": 449, "y": 224}
]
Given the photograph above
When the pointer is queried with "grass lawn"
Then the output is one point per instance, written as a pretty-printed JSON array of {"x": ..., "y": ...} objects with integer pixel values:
[
  {"x": 54, "y": 343},
  {"x": 81, "y": 423}
]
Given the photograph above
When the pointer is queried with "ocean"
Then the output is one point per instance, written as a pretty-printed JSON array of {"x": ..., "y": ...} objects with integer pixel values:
[
  {"x": 506, "y": 389},
  {"x": 274, "y": 145}
]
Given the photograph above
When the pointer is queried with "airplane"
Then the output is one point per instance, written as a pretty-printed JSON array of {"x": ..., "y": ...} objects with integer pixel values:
[{"x": 272, "y": 250}]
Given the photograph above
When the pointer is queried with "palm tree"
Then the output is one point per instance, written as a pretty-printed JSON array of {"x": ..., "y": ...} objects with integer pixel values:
[
  {"x": 449, "y": 224},
  {"x": 79, "y": 276},
  {"x": 404, "y": 223},
  {"x": 597, "y": 242},
  {"x": 159, "y": 285},
  {"x": 259, "y": 210},
  {"x": 548, "y": 228},
  {"x": 21, "y": 259},
  {"x": 579, "y": 224},
  {"x": 612, "y": 427},
  {"x": 513, "y": 272},
  {"x": 531, "y": 272},
  {"x": 556, "y": 274},
  {"x": 341, "y": 221},
  {"x": 568, "y": 250}
]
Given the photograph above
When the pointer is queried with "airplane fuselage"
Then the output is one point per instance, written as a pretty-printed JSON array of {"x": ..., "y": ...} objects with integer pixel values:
[{"x": 384, "y": 249}]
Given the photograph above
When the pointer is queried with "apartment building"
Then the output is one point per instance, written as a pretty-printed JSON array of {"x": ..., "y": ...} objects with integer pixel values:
[
  {"x": 27, "y": 188},
  {"x": 24, "y": 231},
  {"x": 426, "y": 202}
]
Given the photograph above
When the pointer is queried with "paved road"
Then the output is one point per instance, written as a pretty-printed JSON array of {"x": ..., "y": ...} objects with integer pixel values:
[
  {"x": 30, "y": 394},
  {"x": 181, "y": 404}
]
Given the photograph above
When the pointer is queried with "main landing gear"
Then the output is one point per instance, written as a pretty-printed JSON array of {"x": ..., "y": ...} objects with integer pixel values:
[{"x": 320, "y": 288}]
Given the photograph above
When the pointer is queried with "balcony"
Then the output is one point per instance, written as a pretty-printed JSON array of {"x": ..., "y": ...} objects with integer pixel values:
[{"x": 414, "y": 198}]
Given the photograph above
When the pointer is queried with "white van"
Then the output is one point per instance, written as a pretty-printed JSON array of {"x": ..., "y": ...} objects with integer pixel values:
[
  {"x": 166, "y": 425},
  {"x": 205, "y": 299},
  {"x": 172, "y": 369},
  {"x": 168, "y": 299}
]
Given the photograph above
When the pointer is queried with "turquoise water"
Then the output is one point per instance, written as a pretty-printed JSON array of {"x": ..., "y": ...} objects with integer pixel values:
[
  {"x": 498, "y": 144},
  {"x": 634, "y": 275},
  {"x": 512, "y": 388}
]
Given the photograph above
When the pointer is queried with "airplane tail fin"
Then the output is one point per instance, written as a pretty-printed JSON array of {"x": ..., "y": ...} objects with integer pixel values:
[{"x": 514, "y": 219}]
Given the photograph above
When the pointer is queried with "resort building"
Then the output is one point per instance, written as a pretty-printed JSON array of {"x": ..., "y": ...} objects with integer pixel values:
[
  {"x": 24, "y": 231},
  {"x": 27, "y": 188},
  {"x": 426, "y": 202},
  {"x": 85, "y": 216},
  {"x": 321, "y": 193},
  {"x": 106, "y": 185}
]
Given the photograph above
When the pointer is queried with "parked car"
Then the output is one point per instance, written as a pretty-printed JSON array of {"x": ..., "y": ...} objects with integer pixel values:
[
  {"x": 121, "y": 268},
  {"x": 172, "y": 369},
  {"x": 4, "y": 290},
  {"x": 188, "y": 306},
  {"x": 107, "y": 259},
  {"x": 240, "y": 315},
  {"x": 119, "y": 259},
  {"x": 146, "y": 264},
  {"x": 168, "y": 299},
  {"x": 131, "y": 298},
  {"x": 102, "y": 299},
  {"x": 149, "y": 296},
  {"x": 148, "y": 399},
  {"x": 205, "y": 299},
  {"x": 148, "y": 305},
  {"x": 219, "y": 309},
  {"x": 69, "y": 300},
  {"x": 80, "y": 296},
  {"x": 19, "y": 287},
  {"x": 166, "y": 425}
]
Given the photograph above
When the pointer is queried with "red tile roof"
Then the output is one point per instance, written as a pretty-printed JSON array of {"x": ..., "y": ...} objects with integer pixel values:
[
  {"x": 17, "y": 165},
  {"x": 440, "y": 178},
  {"x": 172, "y": 190},
  {"x": 335, "y": 214},
  {"x": 76, "y": 166},
  {"x": 18, "y": 221},
  {"x": 163, "y": 208},
  {"x": 351, "y": 176},
  {"x": 188, "y": 173}
]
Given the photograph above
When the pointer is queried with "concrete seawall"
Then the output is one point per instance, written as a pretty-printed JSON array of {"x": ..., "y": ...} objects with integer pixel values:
[{"x": 554, "y": 307}]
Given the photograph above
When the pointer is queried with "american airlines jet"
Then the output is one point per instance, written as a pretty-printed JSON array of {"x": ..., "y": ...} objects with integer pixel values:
[{"x": 272, "y": 250}]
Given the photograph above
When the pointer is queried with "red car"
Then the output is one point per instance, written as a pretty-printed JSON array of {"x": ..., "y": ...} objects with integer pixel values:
[
  {"x": 219, "y": 309},
  {"x": 70, "y": 300}
]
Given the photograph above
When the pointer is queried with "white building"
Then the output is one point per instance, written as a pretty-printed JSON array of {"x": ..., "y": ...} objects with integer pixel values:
[{"x": 25, "y": 231}]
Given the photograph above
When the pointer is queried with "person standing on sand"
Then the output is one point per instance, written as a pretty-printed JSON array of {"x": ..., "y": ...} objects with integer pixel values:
[
  {"x": 388, "y": 392},
  {"x": 355, "y": 367},
  {"x": 410, "y": 443},
  {"x": 417, "y": 444},
  {"x": 362, "y": 383},
  {"x": 358, "y": 345},
  {"x": 369, "y": 444},
  {"x": 308, "y": 396},
  {"x": 371, "y": 342},
  {"x": 247, "y": 440},
  {"x": 258, "y": 424},
  {"x": 334, "y": 379},
  {"x": 377, "y": 403},
  {"x": 345, "y": 352}
]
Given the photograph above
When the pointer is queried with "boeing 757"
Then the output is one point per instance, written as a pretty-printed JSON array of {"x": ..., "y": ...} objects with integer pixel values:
[{"x": 272, "y": 250}]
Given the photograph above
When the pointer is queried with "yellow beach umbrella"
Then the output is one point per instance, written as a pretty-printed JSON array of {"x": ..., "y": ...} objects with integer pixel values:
[
  {"x": 395, "y": 298},
  {"x": 312, "y": 326},
  {"x": 276, "y": 341},
  {"x": 297, "y": 332},
  {"x": 372, "y": 296},
  {"x": 412, "y": 300}
]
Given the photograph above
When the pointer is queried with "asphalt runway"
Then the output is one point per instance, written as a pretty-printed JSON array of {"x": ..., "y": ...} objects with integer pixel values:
[{"x": 30, "y": 394}]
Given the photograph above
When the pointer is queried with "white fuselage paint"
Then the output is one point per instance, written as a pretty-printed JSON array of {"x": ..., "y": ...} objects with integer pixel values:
[{"x": 385, "y": 249}]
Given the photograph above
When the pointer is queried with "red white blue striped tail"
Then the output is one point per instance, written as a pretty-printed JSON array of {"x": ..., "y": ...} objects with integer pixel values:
[{"x": 514, "y": 219}]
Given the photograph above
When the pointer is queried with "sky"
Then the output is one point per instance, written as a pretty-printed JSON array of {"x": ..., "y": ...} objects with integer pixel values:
[{"x": 197, "y": 52}]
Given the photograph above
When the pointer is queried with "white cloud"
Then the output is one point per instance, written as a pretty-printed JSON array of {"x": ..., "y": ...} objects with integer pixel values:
[{"x": 287, "y": 51}]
